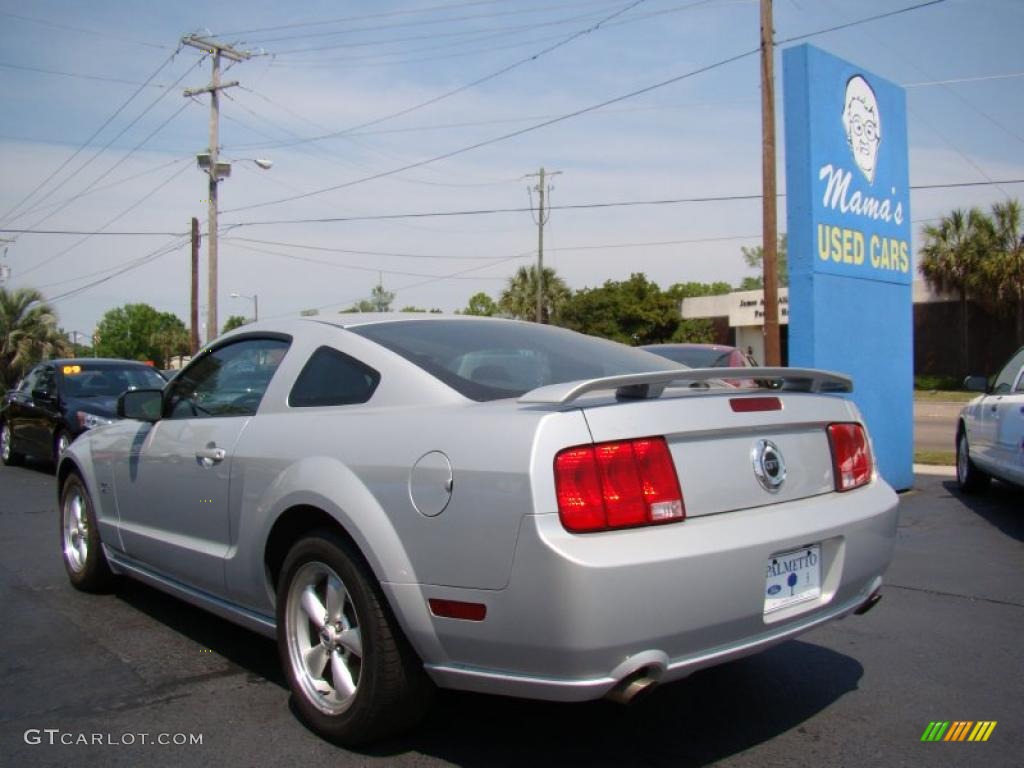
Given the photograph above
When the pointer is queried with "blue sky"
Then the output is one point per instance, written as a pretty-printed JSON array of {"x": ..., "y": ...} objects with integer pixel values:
[{"x": 699, "y": 137}]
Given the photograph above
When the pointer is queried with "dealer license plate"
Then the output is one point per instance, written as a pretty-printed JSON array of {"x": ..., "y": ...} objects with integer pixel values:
[{"x": 793, "y": 577}]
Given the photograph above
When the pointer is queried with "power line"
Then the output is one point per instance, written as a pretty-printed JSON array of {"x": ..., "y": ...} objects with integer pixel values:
[
  {"x": 436, "y": 35},
  {"x": 102, "y": 187},
  {"x": 141, "y": 261},
  {"x": 341, "y": 265},
  {"x": 361, "y": 253},
  {"x": 957, "y": 80},
  {"x": 476, "y": 212},
  {"x": 575, "y": 113},
  {"x": 7, "y": 214},
  {"x": 346, "y": 19},
  {"x": 474, "y": 83},
  {"x": 111, "y": 169},
  {"x": 78, "y": 75},
  {"x": 119, "y": 216},
  {"x": 93, "y": 32}
]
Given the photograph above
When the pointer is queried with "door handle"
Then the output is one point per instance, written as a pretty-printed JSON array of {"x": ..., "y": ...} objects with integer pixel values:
[{"x": 210, "y": 456}]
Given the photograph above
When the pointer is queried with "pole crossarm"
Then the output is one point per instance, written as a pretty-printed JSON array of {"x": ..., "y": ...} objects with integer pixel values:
[
  {"x": 207, "y": 45},
  {"x": 209, "y": 88}
]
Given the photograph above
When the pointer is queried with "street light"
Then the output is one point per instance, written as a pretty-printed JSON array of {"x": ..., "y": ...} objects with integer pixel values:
[
  {"x": 210, "y": 163},
  {"x": 255, "y": 299}
]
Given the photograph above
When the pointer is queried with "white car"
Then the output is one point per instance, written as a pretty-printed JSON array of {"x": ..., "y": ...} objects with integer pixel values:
[{"x": 990, "y": 432}]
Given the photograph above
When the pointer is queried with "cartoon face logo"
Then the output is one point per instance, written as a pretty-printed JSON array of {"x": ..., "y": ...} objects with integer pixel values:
[{"x": 863, "y": 124}]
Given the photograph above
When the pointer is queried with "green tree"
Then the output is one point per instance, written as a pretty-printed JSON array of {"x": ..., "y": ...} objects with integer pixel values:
[
  {"x": 680, "y": 291},
  {"x": 755, "y": 259},
  {"x": 235, "y": 321},
  {"x": 634, "y": 311},
  {"x": 519, "y": 298},
  {"x": 951, "y": 260},
  {"x": 172, "y": 339},
  {"x": 432, "y": 311},
  {"x": 28, "y": 333},
  {"x": 1006, "y": 274},
  {"x": 379, "y": 301},
  {"x": 138, "y": 332},
  {"x": 482, "y": 305}
]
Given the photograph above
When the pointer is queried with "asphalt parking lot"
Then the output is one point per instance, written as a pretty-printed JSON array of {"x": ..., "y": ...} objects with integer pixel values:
[{"x": 944, "y": 644}]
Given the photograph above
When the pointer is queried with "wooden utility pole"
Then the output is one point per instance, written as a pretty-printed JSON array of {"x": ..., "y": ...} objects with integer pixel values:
[
  {"x": 542, "y": 218},
  {"x": 194, "y": 341},
  {"x": 770, "y": 237},
  {"x": 210, "y": 161}
]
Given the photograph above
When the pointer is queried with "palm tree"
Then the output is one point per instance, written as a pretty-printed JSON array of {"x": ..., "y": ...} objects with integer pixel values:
[
  {"x": 28, "y": 333},
  {"x": 519, "y": 298},
  {"x": 951, "y": 260},
  {"x": 1009, "y": 259}
]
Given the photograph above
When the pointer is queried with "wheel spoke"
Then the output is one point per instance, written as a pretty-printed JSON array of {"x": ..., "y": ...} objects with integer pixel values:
[
  {"x": 83, "y": 549},
  {"x": 336, "y": 597},
  {"x": 353, "y": 641},
  {"x": 313, "y": 607},
  {"x": 316, "y": 660},
  {"x": 343, "y": 682}
]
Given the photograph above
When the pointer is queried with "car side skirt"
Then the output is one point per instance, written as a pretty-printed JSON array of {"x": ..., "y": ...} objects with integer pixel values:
[{"x": 257, "y": 622}]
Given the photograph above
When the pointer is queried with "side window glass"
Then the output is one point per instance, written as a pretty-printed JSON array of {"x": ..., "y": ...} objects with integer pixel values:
[
  {"x": 229, "y": 381},
  {"x": 333, "y": 378},
  {"x": 47, "y": 380},
  {"x": 29, "y": 382},
  {"x": 1006, "y": 378}
]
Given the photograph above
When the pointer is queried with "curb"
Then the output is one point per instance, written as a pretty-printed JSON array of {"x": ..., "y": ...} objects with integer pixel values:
[{"x": 934, "y": 469}]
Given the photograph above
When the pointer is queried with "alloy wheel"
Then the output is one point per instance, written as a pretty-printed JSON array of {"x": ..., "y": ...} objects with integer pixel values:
[
  {"x": 324, "y": 638},
  {"x": 76, "y": 531}
]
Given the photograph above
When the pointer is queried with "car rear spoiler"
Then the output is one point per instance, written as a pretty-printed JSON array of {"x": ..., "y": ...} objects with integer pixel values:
[{"x": 651, "y": 385}]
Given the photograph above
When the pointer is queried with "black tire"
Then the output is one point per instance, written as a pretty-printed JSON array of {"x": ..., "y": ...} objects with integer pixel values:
[
  {"x": 9, "y": 456},
  {"x": 971, "y": 479},
  {"x": 81, "y": 550},
  {"x": 377, "y": 694}
]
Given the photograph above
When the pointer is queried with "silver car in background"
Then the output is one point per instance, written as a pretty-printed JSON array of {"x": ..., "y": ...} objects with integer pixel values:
[
  {"x": 407, "y": 502},
  {"x": 990, "y": 430}
]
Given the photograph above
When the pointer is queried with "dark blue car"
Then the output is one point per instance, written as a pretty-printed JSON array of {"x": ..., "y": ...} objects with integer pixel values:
[{"x": 60, "y": 399}]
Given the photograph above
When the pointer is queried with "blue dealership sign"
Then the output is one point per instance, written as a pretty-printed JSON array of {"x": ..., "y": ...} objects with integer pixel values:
[{"x": 848, "y": 221}]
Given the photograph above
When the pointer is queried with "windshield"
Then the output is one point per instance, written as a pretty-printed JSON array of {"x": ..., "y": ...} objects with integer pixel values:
[
  {"x": 489, "y": 360},
  {"x": 95, "y": 380}
]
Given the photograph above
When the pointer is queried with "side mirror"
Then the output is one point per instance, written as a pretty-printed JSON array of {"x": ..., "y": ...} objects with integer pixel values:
[
  {"x": 140, "y": 404},
  {"x": 976, "y": 384},
  {"x": 44, "y": 396}
]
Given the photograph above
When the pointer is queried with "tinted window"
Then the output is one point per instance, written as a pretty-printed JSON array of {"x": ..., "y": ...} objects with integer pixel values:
[
  {"x": 333, "y": 378},
  {"x": 229, "y": 381},
  {"x": 1007, "y": 377},
  {"x": 47, "y": 380},
  {"x": 695, "y": 357},
  {"x": 100, "y": 380},
  {"x": 29, "y": 382},
  {"x": 488, "y": 360}
]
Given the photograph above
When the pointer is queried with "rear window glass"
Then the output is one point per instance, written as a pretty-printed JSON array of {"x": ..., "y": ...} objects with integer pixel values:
[
  {"x": 695, "y": 357},
  {"x": 333, "y": 378},
  {"x": 489, "y": 360}
]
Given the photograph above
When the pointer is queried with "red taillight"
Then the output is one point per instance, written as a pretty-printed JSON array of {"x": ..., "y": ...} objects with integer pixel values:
[
  {"x": 851, "y": 456},
  {"x": 618, "y": 484}
]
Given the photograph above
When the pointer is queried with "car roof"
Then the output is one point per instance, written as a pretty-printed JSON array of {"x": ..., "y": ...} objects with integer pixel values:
[
  {"x": 715, "y": 347},
  {"x": 353, "y": 320},
  {"x": 103, "y": 362}
]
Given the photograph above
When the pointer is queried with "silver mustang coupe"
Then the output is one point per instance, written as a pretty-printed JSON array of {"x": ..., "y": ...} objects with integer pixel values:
[{"x": 410, "y": 501}]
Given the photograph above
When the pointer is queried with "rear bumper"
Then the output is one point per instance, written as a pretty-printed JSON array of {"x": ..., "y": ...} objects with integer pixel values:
[{"x": 581, "y": 613}]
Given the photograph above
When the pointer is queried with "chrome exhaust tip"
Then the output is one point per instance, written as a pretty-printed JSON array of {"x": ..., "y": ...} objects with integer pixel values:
[
  {"x": 868, "y": 604},
  {"x": 632, "y": 688}
]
